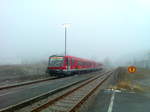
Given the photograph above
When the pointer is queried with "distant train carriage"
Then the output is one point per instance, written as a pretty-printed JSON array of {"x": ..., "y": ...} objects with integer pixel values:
[{"x": 69, "y": 65}]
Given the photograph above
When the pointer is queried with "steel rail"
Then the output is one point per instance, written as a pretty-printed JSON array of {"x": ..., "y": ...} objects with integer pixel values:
[
  {"x": 78, "y": 105},
  {"x": 28, "y": 102},
  {"x": 26, "y": 83},
  {"x": 54, "y": 101}
]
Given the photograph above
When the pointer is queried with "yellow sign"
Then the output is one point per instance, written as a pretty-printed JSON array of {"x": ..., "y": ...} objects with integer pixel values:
[{"x": 131, "y": 69}]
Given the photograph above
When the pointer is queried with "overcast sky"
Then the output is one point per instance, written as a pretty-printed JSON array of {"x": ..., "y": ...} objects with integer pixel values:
[{"x": 32, "y": 29}]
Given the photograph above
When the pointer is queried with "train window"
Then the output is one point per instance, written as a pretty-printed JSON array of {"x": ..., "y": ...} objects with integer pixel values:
[
  {"x": 83, "y": 63},
  {"x": 56, "y": 61},
  {"x": 68, "y": 61},
  {"x": 79, "y": 63},
  {"x": 87, "y": 64},
  {"x": 72, "y": 61}
]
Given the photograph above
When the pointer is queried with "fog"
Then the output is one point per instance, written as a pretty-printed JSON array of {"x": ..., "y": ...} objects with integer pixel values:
[{"x": 31, "y": 30}]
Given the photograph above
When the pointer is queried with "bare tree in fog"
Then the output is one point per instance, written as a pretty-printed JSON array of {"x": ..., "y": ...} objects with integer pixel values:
[
  {"x": 142, "y": 62},
  {"x": 107, "y": 63}
]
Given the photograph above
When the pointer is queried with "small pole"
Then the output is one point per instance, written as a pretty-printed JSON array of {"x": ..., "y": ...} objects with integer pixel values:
[
  {"x": 66, "y": 25},
  {"x": 65, "y": 41}
]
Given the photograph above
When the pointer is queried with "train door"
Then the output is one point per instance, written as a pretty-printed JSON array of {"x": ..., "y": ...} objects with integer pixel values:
[
  {"x": 68, "y": 63},
  {"x": 72, "y": 63}
]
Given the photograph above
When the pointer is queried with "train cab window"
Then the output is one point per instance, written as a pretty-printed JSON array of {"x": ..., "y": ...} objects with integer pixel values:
[{"x": 56, "y": 61}]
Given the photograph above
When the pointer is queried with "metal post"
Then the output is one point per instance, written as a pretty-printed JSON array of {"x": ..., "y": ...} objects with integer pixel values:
[
  {"x": 66, "y": 45},
  {"x": 65, "y": 41}
]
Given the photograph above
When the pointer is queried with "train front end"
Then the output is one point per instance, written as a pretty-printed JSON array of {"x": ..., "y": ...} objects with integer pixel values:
[{"x": 56, "y": 66}]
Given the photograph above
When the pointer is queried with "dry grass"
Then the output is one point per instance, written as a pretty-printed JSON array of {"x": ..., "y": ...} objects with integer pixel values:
[
  {"x": 128, "y": 86},
  {"x": 132, "y": 81},
  {"x": 22, "y": 72}
]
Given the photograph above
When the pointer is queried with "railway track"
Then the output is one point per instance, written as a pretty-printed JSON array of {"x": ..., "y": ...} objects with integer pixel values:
[
  {"x": 64, "y": 99},
  {"x": 73, "y": 99},
  {"x": 26, "y": 83},
  {"x": 29, "y": 83}
]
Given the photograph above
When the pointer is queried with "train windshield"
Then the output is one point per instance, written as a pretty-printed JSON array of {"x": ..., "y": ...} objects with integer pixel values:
[{"x": 56, "y": 61}]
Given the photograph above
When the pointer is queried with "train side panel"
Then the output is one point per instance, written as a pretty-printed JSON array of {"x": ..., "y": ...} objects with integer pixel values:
[{"x": 69, "y": 65}]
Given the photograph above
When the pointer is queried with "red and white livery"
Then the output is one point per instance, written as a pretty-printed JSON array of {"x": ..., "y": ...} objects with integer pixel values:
[{"x": 69, "y": 65}]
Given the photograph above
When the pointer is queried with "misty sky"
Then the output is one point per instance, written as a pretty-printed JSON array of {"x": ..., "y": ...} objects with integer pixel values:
[{"x": 32, "y": 29}]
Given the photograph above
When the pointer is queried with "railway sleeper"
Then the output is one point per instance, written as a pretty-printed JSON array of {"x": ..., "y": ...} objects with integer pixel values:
[
  {"x": 52, "y": 110},
  {"x": 66, "y": 105},
  {"x": 67, "y": 101},
  {"x": 70, "y": 99},
  {"x": 55, "y": 108},
  {"x": 77, "y": 96}
]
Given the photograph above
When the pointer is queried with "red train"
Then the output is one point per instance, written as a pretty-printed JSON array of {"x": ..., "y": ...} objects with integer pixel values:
[{"x": 69, "y": 65}]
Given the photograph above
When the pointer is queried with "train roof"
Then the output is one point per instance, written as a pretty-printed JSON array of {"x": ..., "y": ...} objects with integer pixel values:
[
  {"x": 83, "y": 59},
  {"x": 75, "y": 58}
]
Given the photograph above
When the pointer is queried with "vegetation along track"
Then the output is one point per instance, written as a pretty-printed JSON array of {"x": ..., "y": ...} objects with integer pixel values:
[{"x": 64, "y": 99}]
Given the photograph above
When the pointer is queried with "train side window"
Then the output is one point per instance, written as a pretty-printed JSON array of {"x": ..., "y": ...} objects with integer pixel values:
[
  {"x": 72, "y": 61},
  {"x": 79, "y": 63},
  {"x": 84, "y": 63},
  {"x": 68, "y": 61}
]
